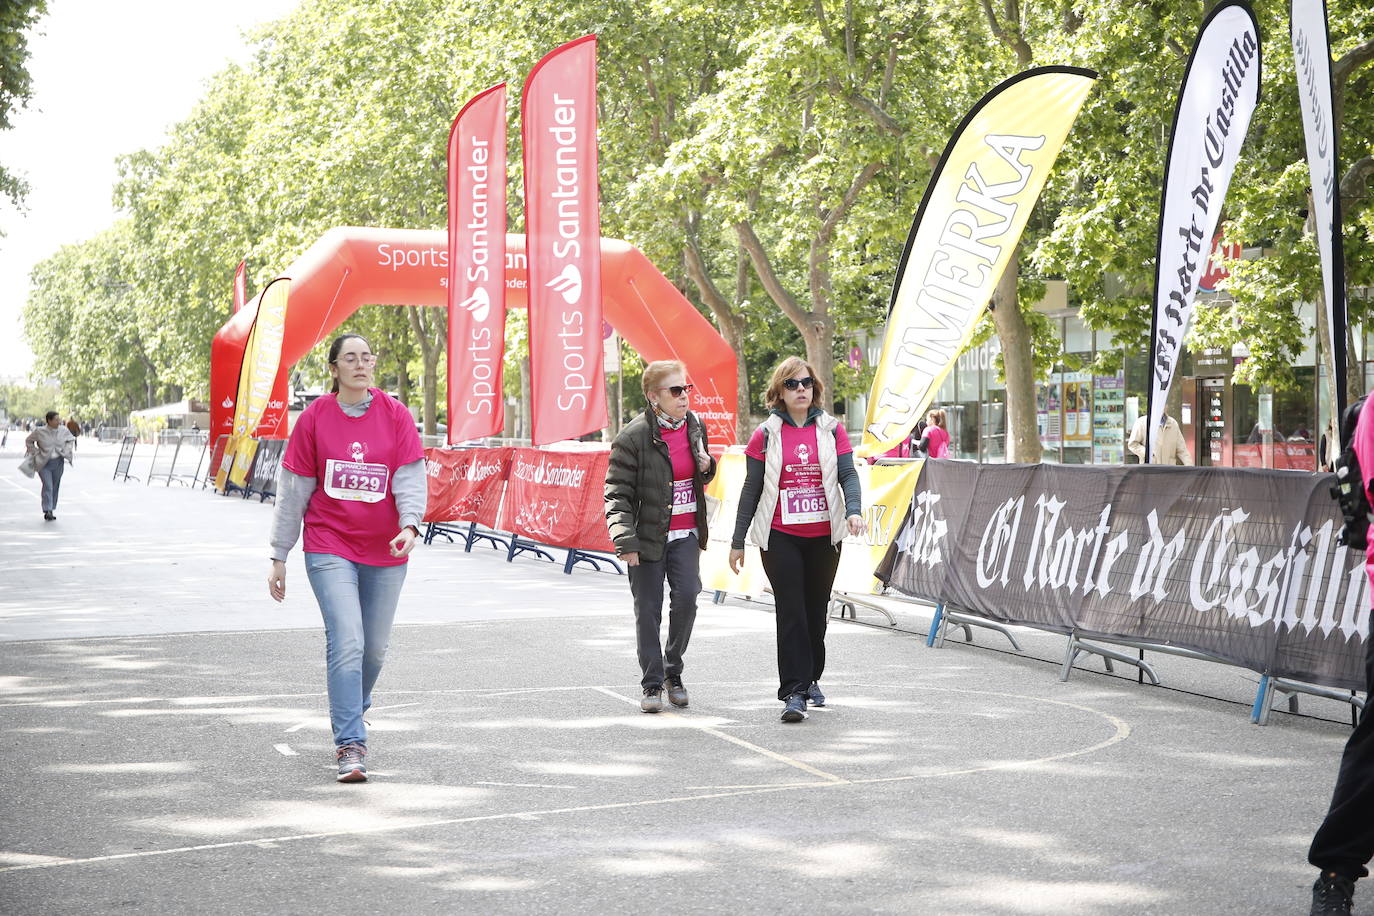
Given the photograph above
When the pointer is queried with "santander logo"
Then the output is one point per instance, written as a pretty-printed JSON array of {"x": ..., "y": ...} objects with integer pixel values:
[
  {"x": 478, "y": 304},
  {"x": 568, "y": 283},
  {"x": 228, "y": 403}
]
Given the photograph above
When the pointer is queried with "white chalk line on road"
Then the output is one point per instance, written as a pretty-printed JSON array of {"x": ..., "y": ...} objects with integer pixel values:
[
  {"x": 1122, "y": 731},
  {"x": 286, "y": 750},
  {"x": 749, "y": 746},
  {"x": 21, "y": 489}
]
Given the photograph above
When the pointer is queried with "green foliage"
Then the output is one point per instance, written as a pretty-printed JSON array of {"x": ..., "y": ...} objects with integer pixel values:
[
  {"x": 17, "y": 19},
  {"x": 813, "y": 124}
]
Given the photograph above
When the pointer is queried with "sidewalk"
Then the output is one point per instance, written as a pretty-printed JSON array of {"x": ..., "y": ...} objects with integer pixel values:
[{"x": 166, "y": 749}]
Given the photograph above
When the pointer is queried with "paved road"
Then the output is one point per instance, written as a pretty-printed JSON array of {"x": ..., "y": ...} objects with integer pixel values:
[{"x": 166, "y": 749}]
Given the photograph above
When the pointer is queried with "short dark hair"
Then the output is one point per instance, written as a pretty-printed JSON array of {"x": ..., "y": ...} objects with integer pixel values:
[{"x": 49, "y": 415}]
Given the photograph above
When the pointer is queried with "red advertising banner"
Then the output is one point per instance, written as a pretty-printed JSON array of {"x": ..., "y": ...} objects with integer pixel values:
[
  {"x": 466, "y": 485},
  {"x": 563, "y": 228},
  {"x": 476, "y": 267},
  {"x": 556, "y": 498},
  {"x": 240, "y": 286}
]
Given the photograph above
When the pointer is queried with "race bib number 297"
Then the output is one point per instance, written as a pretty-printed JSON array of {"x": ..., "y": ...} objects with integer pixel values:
[{"x": 355, "y": 481}]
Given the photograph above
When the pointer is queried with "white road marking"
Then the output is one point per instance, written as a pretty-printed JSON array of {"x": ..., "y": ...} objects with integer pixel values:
[
  {"x": 285, "y": 750},
  {"x": 774, "y": 755},
  {"x": 521, "y": 785}
]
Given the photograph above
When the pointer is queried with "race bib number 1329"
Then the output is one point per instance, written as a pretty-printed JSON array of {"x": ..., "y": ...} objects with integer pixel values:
[{"x": 356, "y": 481}]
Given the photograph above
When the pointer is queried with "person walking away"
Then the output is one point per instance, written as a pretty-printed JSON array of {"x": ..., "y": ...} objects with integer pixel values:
[
  {"x": 51, "y": 446},
  {"x": 656, "y": 513},
  {"x": 935, "y": 440},
  {"x": 800, "y": 498},
  {"x": 353, "y": 477},
  {"x": 1169, "y": 447},
  {"x": 1344, "y": 843}
]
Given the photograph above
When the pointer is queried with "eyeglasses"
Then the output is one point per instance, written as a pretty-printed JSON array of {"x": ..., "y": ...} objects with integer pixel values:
[
  {"x": 792, "y": 384},
  {"x": 678, "y": 391},
  {"x": 366, "y": 360}
]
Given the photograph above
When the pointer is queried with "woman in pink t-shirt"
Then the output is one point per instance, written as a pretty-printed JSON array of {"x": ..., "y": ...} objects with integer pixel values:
[
  {"x": 800, "y": 500},
  {"x": 935, "y": 442},
  {"x": 354, "y": 473},
  {"x": 656, "y": 513}
]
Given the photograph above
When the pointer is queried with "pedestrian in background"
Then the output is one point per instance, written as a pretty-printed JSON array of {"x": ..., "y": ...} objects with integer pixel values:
[
  {"x": 656, "y": 513},
  {"x": 1169, "y": 447},
  {"x": 51, "y": 445},
  {"x": 935, "y": 439},
  {"x": 354, "y": 474},
  {"x": 799, "y": 501}
]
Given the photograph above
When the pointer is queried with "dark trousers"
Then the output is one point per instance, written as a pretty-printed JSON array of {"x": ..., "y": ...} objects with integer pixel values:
[
  {"x": 51, "y": 475},
  {"x": 1345, "y": 840},
  {"x": 681, "y": 566},
  {"x": 801, "y": 571}
]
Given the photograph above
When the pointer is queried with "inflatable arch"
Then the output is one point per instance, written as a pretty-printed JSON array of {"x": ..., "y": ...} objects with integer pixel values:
[{"x": 350, "y": 267}]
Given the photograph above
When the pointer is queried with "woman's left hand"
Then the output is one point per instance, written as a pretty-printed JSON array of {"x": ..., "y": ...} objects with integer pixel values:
[
  {"x": 856, "y": 525},
  {"x": 403, "y": 542}
]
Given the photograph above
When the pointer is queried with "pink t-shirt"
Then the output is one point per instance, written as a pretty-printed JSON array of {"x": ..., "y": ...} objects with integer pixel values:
[
  {"x": 1363, "y": 443},
  {"x": 938, "y": 442},
  {"x": 352, "y": 513},
  {"x": 803, "y": 508},
  {"x": 684, "y": 473}
]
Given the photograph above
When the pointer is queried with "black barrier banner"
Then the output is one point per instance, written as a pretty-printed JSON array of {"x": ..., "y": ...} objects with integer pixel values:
[
  {"x": 1240, "y": 564},
  {"x": 263, "y": 480}
]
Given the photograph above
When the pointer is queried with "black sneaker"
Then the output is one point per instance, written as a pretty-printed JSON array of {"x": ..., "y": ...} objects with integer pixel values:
[
  {"x": 795, "y": 710},
  {"x": 814, "y": 695},
  {"x": 652, "y": 701},
  {"x": 1332, "y": 895},
  {"x": 351, "y": 768},
  {"x": 49, "y": 517},
  {"x": 677, "y": 694}
]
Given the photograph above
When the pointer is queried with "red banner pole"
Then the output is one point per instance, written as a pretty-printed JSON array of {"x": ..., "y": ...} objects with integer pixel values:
[
  {"x": 563, "y": 229},
  {"x": 477, "y": 267}
]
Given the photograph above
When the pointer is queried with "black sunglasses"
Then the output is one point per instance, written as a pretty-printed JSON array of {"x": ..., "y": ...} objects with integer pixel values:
[
  {"x": 792, "y": 384},
  {"x": 678, "y": 391}
]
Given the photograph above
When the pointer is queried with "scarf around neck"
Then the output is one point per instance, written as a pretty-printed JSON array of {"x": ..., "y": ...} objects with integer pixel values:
[{"x": 666, "y": 421}]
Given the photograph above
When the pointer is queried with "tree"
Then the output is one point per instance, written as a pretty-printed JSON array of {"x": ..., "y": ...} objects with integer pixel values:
[{"x": 17, "y": 18}]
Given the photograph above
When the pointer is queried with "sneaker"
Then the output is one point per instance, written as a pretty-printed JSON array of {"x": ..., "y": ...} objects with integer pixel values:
[
  {"x": 814, "y": 695},
  {"x": 48, "y": 517},
  {"x": 351, "y": 768},
  {"x": 677, "y": 694},
  {"x": 795, "y": 710},
  {"x": 653, "y": 700},
  {"x": 1332, "y": 895}
]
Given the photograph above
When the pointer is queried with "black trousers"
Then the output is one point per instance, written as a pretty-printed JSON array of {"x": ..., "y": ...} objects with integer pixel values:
[
  {"x": 801, "y": 571},
  {"x": 681, "y": 566},
  {"x": 1345, "y": 840}
]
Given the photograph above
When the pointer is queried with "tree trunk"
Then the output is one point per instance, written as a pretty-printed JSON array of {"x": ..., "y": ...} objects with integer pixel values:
[
  {"x": 526, "y": 429},
  {"x": 1023, "y": 435},
  {"x": 728, "y": 319},
  {"x": 430, "y": 351}
]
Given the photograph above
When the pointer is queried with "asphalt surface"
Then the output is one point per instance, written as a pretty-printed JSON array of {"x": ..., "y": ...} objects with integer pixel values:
[{"x": 166, "y": 748}]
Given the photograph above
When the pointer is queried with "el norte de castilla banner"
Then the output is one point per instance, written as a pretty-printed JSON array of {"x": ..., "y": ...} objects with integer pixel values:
[
  {"x": 258, "y": 374},
  {"x": 964, "y": 235},
  {"x": 1219, "y": 94},
  {"x": 1239, "y": 564}
]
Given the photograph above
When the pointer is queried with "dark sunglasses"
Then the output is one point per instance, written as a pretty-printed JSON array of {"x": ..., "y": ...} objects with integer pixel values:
[
  {"x": 678, "y": 391},
  {"x": 792, "y": 384}
]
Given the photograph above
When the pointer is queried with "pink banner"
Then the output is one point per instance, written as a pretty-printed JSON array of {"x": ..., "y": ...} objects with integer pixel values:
[
  {"x": 466, "y": 485},
  {"x": 563, "y": 228},
  {"x": 556, "y": 498},
  {"x": 476, "y": 267}
]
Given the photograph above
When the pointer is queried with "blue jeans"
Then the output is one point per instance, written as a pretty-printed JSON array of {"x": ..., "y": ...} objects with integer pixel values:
[
  {"x": 51, "y": 476},
  {"x": 358, "y": 603}
]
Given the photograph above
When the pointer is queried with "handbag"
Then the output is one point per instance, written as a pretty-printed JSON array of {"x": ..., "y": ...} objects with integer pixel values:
[{"x": 27, "y": 466}]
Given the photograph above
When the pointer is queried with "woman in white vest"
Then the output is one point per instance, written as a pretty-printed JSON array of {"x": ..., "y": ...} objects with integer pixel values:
[{"x": 800, "y": 499}]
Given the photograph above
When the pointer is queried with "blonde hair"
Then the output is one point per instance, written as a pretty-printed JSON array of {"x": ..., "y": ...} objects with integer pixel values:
[
  {"x": 937, "y": 417},
  {"x": 657, "y": 371},
  {"x": 786, "y": 369}
]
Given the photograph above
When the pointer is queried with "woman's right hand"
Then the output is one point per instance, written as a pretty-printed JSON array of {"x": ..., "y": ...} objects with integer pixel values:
[
  {"x": 736, "y": 561},
  {"x": 276, "y": 581}
]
